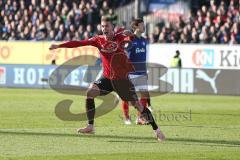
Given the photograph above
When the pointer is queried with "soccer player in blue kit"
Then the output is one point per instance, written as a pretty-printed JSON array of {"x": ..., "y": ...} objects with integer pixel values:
[{"x": 137, "y": 55}]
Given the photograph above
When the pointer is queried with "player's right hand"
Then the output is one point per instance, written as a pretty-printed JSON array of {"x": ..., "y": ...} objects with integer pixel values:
[
  {"x": 53, "y": 46},
  {"x": 127, "y": 33}
]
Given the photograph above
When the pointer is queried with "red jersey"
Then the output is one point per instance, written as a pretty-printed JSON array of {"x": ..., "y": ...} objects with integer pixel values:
[{"x": 116, "y": 64}]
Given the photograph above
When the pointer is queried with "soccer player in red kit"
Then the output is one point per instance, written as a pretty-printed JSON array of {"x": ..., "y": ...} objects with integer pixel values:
[{"x": 116, "y": 67}]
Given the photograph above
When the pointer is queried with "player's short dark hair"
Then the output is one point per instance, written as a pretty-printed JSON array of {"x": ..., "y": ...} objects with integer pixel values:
[{"x": 136, "y": 22}]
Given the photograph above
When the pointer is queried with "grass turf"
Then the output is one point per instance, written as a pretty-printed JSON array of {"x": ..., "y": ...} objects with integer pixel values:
[{"x": 196, "y": 127}]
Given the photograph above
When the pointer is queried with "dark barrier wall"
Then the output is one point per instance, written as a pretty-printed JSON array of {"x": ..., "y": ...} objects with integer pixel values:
[{"x": 203, "y": 81}]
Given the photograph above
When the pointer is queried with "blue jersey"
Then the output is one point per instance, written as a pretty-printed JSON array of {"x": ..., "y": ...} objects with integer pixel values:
[{"x": 138, "y": 55}]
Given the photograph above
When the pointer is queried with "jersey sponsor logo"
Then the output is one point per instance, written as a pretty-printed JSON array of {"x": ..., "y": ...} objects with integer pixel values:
[
  {"x": 109, "y": 47},
  {"x": 140, "y": 50},
  {"x": 2, "y": 75}
]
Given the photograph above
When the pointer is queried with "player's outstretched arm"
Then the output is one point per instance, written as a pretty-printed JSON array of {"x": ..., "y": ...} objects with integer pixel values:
[{"x": 74, "y": 44}]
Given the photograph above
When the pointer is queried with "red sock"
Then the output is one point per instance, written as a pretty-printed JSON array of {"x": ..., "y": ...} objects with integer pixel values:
[
  {"x": 125, "y": 108},
  {"x": 144, "y": 102}
]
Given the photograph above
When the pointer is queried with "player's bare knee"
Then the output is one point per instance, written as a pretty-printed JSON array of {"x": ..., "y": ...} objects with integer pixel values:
[{"x": 93, "y": 92}]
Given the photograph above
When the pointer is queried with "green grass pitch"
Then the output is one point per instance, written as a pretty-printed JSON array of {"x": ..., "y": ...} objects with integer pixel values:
[{"x": 196, "y": 127}]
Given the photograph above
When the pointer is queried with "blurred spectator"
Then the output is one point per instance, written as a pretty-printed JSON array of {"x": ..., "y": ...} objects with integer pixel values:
[
  {"x": 213, "y": 21},
  {"x": 156, "y": 34},
  {"x": 53, "y": 19},
  {"x": 112, "y": 15}
]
